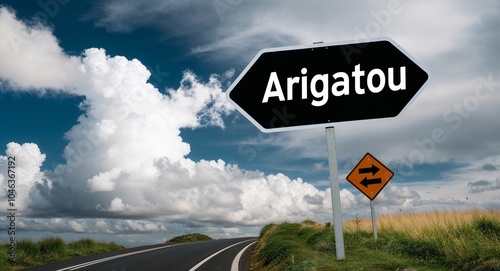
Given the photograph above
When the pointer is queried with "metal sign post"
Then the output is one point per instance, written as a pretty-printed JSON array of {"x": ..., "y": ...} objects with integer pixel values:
[
  {"x": 334, "y": 181},
  {"x": 374, "y": 220}
]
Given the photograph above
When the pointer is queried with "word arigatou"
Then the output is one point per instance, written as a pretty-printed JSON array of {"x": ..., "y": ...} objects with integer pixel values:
[{"x": 340, "y": 87}]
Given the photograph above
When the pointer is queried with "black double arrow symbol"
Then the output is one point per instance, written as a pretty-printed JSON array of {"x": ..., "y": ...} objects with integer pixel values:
[{"x": 373, "y": 170}]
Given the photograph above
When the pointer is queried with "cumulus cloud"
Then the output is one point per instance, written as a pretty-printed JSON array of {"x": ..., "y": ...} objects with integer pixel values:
[
  {"x": 31, "y": 56},
  {"x": 105, "y": 181},
  {"x": 29, "y": 156},
  {"x": 126, "y": 150},
  {"x": 27, "y": 160},
  {"x": 126, "y": 159},
  {"x": 117, "y": 205}
]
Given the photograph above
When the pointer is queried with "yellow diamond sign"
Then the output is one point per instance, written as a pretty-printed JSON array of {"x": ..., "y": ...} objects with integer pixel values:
[{"x": 370, "y": 176}]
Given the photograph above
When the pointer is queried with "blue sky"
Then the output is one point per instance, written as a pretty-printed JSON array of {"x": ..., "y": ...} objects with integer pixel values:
[{"x": 116, "y": 111}]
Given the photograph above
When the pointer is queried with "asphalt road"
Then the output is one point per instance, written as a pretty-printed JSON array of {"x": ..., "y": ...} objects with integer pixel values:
[{"x": 217, "y": 255}]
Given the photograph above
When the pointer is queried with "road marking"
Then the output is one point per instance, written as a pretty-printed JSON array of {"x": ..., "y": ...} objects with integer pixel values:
[
  {"x": 213, "y": 255},
  {"x": 82, "y": 265},
  {"x": 236, "y": 262}
]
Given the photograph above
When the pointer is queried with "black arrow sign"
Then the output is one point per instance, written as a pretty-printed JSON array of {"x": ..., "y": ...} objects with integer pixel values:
[
  {"x": 373, "y": 170},
  {"x": 289, "y": 88},
  {"x": 366, "y": 182}
]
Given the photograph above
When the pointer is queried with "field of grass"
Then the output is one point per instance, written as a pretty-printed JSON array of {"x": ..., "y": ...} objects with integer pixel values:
[
  {"x": 51, "y": 249},
  {"x": 459, "y": 240},
  {"x": 193, "y": 237}
]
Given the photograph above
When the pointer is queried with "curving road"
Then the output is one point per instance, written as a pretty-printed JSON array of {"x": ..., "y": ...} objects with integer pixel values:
[{"x": 217, "y": 255}]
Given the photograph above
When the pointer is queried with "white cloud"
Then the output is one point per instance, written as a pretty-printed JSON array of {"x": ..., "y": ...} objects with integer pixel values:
[
  {"x": 117, "y": 205},
  {"x": 31, "y": 56},
  {"x": 125, "y": 158},
  {"x": 104, "y": 181},
  {"x": 26, "y": 160},
  {"x": 30, "y": 158},
  {"x": 75, "y": 226}
]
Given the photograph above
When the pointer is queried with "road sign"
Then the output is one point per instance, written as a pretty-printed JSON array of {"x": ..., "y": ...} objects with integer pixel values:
[
  {"x": 302, "y": 87},
  {"x": 370, "y": 176}
]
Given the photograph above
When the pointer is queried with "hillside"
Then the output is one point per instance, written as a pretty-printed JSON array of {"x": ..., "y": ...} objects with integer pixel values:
[
  {"x": 193, "y": 237},
  {"x": 460, "y": 240}
]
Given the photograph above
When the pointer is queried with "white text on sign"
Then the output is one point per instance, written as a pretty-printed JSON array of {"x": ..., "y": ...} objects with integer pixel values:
[{"x": 340, "y": 87}]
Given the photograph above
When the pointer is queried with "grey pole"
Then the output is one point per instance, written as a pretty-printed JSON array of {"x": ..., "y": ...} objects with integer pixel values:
[
  {"x": 374, "y": 221},
  {"x": 334, "y": 181}
]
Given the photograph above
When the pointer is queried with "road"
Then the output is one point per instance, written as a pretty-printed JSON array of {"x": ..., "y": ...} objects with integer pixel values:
[{"x": 217, "y": 255}]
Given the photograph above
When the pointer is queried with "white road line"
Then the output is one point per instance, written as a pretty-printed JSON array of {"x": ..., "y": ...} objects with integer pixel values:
[
  {"x": 213, "y": 255},
  {"x": 82, "y": 265},
  {"x": 236, "y": 262}
]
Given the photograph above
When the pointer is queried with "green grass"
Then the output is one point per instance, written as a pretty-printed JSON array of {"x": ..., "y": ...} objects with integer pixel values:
[
  {"x": 193, "y": 237},
  {"x": 51, "y": 249},
  {"x": 467, "y": 240}
]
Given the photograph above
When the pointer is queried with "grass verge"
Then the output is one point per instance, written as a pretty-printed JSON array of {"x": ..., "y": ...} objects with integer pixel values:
[
  {"x": 51, "y": 249},
  {"x": 459, "y": 240}
]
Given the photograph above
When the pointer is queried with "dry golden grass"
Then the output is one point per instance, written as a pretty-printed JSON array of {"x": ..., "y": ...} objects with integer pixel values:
[
  {"x": 467, "y": 240},
  {"x": 417, "y": 224},
  {"x": 463, "y": 235}
]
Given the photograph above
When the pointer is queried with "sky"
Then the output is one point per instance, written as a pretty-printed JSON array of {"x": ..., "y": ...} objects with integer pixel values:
[{"x": 116, "y": 112}]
